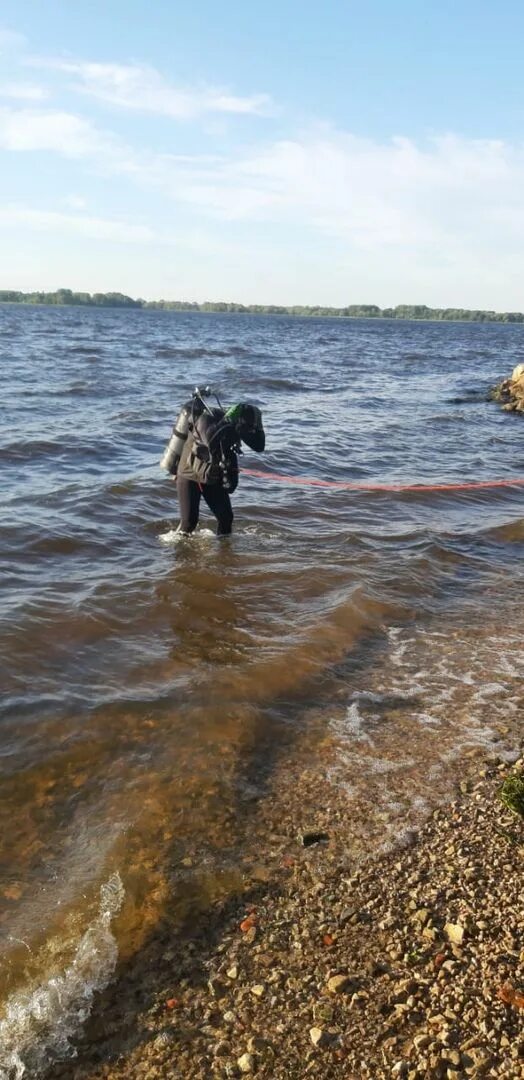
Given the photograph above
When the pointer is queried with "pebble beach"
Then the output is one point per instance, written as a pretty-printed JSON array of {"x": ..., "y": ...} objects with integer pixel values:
[{"x": 409, "y": 964}]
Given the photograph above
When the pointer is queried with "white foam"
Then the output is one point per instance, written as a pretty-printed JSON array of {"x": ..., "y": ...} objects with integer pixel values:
[
  {"x": 435, "y": 696},
  {"x": 174, "y": 536},
  {"x": 39, "y": 1023}
]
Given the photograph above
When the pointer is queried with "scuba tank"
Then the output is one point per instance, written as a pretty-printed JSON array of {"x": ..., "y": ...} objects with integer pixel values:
[
  {"x": 185, "y": 420},
  {"x": 175, "y": 446}
]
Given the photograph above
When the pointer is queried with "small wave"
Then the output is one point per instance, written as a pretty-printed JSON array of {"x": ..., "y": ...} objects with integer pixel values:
[
  {"x": 238, "y": 350},
  {"x": 469, "y": 397},
  {"x": 30, "y": 448},
  {"x": 38, "y": 1025},
  {"x": 168, "y": 352},
  {"x": 268, "y": 383},
  {"x": 510, "y": 533},
  {"x": 85, "y": 350},
  {"x": 56, "y": 544}
]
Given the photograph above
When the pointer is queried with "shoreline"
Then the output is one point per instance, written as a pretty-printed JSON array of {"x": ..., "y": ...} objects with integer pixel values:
[
  {"x": 407, "y": 964},
  {"x": 382, "y": 315}
]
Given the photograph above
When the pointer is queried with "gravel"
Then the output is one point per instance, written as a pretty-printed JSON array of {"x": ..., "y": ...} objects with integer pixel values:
[{"x": 407, "y": 964}]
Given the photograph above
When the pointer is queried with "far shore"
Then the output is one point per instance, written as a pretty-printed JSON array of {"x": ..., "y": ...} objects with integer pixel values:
[{"x": 408, "y": 312}]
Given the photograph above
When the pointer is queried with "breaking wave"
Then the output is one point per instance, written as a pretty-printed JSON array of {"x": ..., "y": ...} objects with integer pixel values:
[{"x": 39, "y": 1023}]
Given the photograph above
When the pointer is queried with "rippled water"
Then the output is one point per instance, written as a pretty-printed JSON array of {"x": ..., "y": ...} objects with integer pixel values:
[{"x": 142, "y": 678}]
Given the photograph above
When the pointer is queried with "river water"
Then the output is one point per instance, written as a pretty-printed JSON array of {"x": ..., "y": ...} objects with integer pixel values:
[{"x": 139, "y": 674}]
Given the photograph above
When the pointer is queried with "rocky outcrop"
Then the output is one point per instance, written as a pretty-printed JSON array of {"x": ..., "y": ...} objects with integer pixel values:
[{"x": 510, "y": 392}]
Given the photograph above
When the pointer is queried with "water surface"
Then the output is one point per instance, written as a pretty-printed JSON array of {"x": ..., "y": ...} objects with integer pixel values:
[{"x": 143, "y": 679}]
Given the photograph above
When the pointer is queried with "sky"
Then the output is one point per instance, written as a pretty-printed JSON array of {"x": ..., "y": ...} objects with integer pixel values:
[{"x": 286, "y": 152}]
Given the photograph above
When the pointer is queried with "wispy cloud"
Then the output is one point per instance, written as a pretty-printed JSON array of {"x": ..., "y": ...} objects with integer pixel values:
[
  {"x": 144, "y": 89},
  {"x": 23, "y": 91},
  {"x": 445, "y": 193},
  {"x": 63, "y": 133},
  {"x": 94, "y": 228},
  {"x": 392, "y": 193}
]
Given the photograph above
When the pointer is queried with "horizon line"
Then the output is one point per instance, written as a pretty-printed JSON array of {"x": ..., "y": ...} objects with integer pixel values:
[{"x": 64, "y": 297}]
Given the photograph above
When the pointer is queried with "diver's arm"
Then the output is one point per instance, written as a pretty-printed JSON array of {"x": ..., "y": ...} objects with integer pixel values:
[
  {"x": 255, "y": 438},
  {"x": 253, "y": 433}
]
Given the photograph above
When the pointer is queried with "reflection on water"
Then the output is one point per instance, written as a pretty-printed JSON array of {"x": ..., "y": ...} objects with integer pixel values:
[{"x": 157, "y": 693}]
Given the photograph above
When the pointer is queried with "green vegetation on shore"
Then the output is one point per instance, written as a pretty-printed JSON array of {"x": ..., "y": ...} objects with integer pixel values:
[
  {"x": 511, "y": 793},
  {"x": 66, "y": 298}
]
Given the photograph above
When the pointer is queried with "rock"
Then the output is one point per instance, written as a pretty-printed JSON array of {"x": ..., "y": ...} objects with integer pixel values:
[
  {"x": 422, "y": 915},
  {"x": 323, "y": 1011},
  {"x": 246, "y": 1063},
  {"x": 454, "y": 933},
  {"x": 421, "y": 1041},
  {"x": 348, "y": 914},
  {"x": 257, "y": 1045},
  {"x": 233, "y": 972},
  {"x": 317, "y": 1036},
  {"x": 337, "y": 984},
  {"x": 510, "y": 392},
  {"x": 258, "y": 990},
  {"x": 452, "y": 1056},
  {"x": 216, "y": 987}
]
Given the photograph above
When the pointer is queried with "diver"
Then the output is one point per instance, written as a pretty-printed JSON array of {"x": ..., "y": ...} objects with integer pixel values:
[{"x": 202, "y": 456}]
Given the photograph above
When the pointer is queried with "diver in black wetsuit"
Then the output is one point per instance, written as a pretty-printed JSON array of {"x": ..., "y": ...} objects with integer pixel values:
[{"x": 208, "y": 464}]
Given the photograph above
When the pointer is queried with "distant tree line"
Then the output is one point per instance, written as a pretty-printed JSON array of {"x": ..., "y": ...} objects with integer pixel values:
[{"x": 65, "y": 297}]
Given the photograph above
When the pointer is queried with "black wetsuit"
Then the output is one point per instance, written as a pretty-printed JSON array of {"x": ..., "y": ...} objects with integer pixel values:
[{"x": 191, "y": 487}]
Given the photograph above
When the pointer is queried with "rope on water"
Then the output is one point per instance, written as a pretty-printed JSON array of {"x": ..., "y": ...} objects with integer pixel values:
[{"x": 342, "y": 485}]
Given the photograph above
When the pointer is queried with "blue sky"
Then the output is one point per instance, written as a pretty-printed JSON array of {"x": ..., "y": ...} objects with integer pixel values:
[{"x": 276, "y": 153}]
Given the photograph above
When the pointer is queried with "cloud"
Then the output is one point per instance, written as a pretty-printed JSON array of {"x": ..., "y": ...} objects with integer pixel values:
[
  {"x": 23, "y": 91},
  {"x": 394, "y": 193},
  {"x": 72, "y": 136},
  {"x": 144, "y": 89},
  {"x": 67, "y": 134},
  {"x": 445, "y": 204},
  {"x": 93, "y": 228},
  {"x": 39, "y": 129}
]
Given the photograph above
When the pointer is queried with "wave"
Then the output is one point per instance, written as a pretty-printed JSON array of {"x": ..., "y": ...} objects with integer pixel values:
[
  {"x": 469, "y": 397},
  {"x": 168, "y": 352},
  {"x": 85, "y": 350},
  {"x": 39, "y": 1024},
  {"x": 509, "y": 533},
  {"x": 36, "y": 449}
]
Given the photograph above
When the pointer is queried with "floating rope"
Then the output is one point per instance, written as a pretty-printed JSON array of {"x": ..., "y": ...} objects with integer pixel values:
[{"x": 342, "y": 485}]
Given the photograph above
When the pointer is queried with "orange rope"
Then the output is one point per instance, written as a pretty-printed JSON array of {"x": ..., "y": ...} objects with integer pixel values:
[{"x": 342, "y": 485}]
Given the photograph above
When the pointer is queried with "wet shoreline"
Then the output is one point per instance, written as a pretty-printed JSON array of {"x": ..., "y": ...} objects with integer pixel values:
[{"x": 249, "y": 985}]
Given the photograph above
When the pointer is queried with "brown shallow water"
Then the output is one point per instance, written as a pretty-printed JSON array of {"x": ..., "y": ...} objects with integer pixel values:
[{"x": 156, "y": 693}]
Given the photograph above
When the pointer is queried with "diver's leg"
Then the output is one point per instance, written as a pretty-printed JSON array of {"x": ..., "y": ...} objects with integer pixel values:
[
  {"x": 189, "y": 503},
  {"x": 220, "y": 504}
]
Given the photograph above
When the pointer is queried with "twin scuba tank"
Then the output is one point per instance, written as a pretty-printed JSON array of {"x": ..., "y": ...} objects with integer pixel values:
[{"x": 185, "y": 422}]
